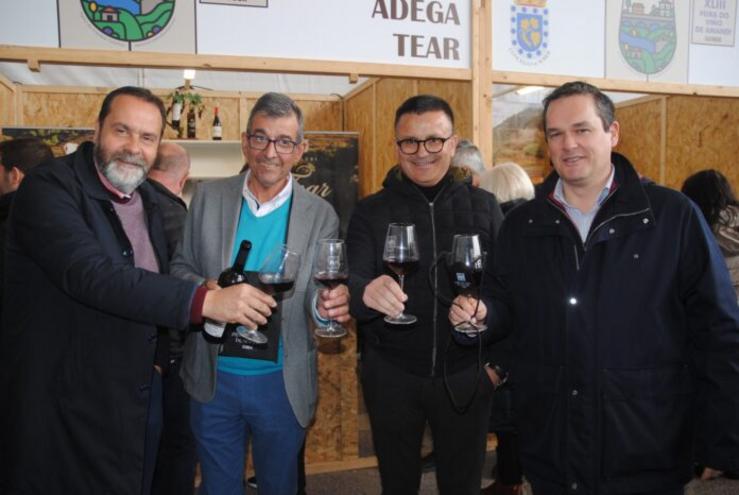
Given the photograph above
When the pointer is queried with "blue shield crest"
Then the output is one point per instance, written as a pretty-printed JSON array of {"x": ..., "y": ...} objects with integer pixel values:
[{"x": 530, "y": 31}]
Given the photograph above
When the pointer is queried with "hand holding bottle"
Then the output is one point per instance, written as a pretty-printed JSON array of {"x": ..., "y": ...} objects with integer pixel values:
[{"x": 242, "y": 303}]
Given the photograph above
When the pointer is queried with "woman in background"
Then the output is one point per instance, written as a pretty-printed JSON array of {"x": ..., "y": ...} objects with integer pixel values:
[
  {"x": 512, "y": 186},
  {"x": 710, "y": 190}
]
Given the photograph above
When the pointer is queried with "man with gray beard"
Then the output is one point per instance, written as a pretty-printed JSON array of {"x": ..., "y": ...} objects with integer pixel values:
[{"x": 85, "y": 291}]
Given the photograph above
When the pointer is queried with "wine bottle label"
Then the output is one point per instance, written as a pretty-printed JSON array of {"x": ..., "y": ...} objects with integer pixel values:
[
  {"x": 176, "y": 111},
  {"x": 217, "y": 132}
]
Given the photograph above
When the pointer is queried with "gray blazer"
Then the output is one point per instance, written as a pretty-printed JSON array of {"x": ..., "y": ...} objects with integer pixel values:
[{"x": 206, "y": 250}]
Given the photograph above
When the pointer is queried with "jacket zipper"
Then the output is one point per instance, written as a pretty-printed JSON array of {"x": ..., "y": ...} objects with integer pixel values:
[{"x": 436, "y": 287}]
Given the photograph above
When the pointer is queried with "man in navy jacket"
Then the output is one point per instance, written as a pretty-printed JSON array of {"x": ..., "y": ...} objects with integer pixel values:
[
  {"x": 85, "y": 290},
  {"x": 623, "y": 318}
]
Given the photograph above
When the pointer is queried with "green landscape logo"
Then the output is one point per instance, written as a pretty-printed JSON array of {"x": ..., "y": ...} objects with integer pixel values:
[
  {"x": 129, "y": 20},
  {"x": 647, "y": 34}
]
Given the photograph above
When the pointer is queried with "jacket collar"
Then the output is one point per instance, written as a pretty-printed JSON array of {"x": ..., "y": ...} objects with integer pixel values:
[
  {"x": 85, "y": 168},
  {"x": 627, "y": 194},
  {"x": 396, "y": 180}
]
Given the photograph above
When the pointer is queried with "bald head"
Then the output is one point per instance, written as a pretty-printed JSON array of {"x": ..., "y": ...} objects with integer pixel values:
[{"x": 172, "y": 167}]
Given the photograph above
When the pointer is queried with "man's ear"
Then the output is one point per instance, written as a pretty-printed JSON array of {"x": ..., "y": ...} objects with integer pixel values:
[{"x": 16, "y": 177}]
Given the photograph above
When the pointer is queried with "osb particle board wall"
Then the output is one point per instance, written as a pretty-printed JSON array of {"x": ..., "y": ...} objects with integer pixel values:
[
  {"x": 371, "y": 112},
  {"x": 700, "y": 133},
  {"x": 78, "y": 107}
]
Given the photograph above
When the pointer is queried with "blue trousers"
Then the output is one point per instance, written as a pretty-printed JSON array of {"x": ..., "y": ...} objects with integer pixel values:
[{"x": 247, "y": 408}]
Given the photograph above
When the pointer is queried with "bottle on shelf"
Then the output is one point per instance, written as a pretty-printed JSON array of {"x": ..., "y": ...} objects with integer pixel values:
[
  {"x": 230, "y": 276},
  {"x": 176, "y": 116},
  {"x": 192, "y": 124},
  {"x": 217, "y": 132}
]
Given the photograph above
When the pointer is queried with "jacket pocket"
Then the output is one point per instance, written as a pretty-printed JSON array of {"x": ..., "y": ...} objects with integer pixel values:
[{"x": 646, "y": 420}]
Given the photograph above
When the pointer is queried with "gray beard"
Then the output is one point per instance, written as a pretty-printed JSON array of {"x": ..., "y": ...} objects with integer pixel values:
[{"x": 126, "y": 182}]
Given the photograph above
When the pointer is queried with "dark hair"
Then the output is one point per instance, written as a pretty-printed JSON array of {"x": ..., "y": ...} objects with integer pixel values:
[
  {"x": 603, "y": 104},
  {"x": 140, "y": 93},
  {"x": 277, "y": 105},
  {"x": 24, "y": 153},
  {"x": 424, "y": 103},
  {"x": 710, "y": 190}
]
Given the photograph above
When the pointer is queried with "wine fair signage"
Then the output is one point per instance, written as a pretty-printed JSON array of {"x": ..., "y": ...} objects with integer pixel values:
[
  {"x": 414, "y": 45},
  {"x": 647, "y": 36},
  {"x": 134, "y": 25},
  {"x": 714, "y": 22}
]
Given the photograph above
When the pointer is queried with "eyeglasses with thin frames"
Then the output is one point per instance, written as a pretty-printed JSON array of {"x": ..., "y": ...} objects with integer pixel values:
[
  {"x": 260, "y": 142},
  {"x": 410, "y": 146}
]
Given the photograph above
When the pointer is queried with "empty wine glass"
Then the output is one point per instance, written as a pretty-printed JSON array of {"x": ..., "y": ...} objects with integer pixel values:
[
  {"x": 330, "y": 270},
  {"x": 466, "y": 268},
  {"x": 401, "y": 256}
]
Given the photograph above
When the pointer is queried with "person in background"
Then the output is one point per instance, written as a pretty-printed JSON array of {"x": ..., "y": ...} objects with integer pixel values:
[
  {"x": 467, "y": 156},
  {"x": 623, "y": 318},
  {"x": 416, "y": 374},
  {"x": 86, "y": 288},
  {"x": 511, "y": 186},
  {"x": 17, "y": 158},
  {"x": 713, "y": 194},
  {"x": 265, "y": 394},
  {"x": 176, "y": 458}
]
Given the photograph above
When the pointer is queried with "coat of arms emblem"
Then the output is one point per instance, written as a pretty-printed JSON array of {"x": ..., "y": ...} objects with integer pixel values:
[
  {"x": 647, "y": 36},
  {"x": 530, "y": 30},
  {"x": 129, "y": 20}
]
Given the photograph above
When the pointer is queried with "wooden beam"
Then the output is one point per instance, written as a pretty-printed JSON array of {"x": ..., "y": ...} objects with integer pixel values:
[
  {"x": 528, "y": 79},
  {"x": 485, "y": 99},
  {"x": 119, "y": 58}
]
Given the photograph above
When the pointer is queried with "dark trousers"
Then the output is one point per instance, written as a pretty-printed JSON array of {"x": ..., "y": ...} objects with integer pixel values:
[
  {"x": 175, "y": 471},
  {"x": 400, "y": 404},
  {"x": 508, "y": 465}
]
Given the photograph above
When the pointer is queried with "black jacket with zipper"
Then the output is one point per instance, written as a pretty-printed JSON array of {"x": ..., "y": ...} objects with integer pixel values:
[{"x": 458, "y": 208}]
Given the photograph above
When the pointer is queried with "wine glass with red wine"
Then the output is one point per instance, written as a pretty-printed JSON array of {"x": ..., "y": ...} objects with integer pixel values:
[
  {"x": 401, "y": 256},
  {"x": 330, "y": 270},
  {"x": 466, "y": 268}
]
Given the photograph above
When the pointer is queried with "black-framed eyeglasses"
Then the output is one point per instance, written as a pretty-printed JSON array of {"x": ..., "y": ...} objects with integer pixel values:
[
  {"x": 260, "y": 142},
  {"x": 410, "y": 146}
]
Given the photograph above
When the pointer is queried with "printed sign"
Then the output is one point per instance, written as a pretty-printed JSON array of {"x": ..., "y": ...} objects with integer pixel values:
[{"x": 714, "y": 22}]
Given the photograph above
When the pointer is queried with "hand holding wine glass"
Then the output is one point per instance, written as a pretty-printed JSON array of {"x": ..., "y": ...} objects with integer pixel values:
[
  {"x": 400, "y": 254},
  {"x": 331, "y": 270},
  {"x": 466, "y": 269}
]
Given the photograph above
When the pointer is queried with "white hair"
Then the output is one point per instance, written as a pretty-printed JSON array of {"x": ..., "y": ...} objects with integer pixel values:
[{"x": 508, "y": 181}]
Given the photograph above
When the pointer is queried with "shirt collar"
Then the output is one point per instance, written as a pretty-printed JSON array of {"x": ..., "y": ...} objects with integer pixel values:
[
  {"x": 260, "y": 210},
  {"x": 559, "y": 193}
]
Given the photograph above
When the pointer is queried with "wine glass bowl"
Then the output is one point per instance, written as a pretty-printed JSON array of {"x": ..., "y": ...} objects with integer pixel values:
[
  {"x": 400, "y": 255},
  {"x": 466, "y": 265},
  {"x": 279, "y": 271},
  {"x": 330, "y": 269}
]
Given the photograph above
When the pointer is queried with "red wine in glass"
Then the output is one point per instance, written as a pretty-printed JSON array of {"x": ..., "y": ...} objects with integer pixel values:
[
  {"x": 466, "y": 270},
  {"x": 330, "y": 270},
  {"x": 400, "y": 254}
]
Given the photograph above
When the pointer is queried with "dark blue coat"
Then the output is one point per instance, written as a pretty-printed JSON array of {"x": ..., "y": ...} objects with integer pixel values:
[
  {"x": 79, "y": 336},
  {"x": 625, "y": 345}
]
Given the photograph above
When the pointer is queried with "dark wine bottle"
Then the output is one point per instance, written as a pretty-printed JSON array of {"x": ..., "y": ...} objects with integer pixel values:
[
  {"x": 230, "y": 276},
  {"x": 192, "y": 124},
  {"x": 217, "y": 132}
]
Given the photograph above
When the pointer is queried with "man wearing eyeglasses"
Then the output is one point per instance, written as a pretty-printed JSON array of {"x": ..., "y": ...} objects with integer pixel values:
[
  {"x": 242, "y": 391},
  {"x": 417, "y": 374}
]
